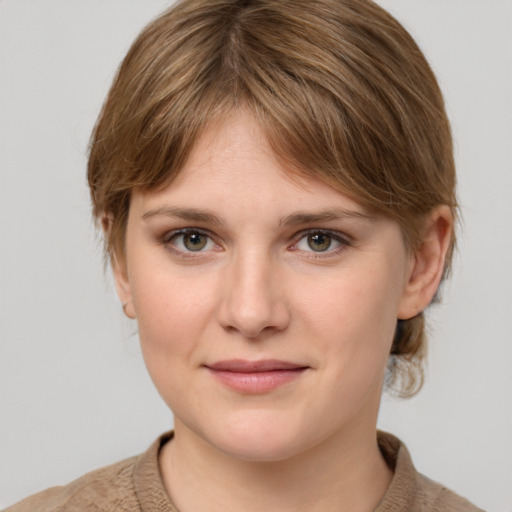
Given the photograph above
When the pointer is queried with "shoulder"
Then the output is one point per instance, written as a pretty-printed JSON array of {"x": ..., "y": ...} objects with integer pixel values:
[
  {"x": 410, "y": 490},
  {"x": 437, "y": 498},
  {"x": 106, "y": 489}
]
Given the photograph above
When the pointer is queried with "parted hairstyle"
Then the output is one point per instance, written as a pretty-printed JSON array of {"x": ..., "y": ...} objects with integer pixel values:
[{"x": 340, "y": 88}]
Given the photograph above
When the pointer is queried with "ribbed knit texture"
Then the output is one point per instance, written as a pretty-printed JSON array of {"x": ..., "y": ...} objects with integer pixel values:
[{"x": 135, "y": 485}]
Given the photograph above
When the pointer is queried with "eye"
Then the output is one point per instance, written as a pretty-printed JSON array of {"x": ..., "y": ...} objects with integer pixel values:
[
  {"x": 320, "y": 241},
  {"x": 191, "y": 241}
]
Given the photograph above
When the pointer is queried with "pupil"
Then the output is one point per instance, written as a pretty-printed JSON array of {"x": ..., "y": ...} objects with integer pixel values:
[
  {"x": 194, "y": 241},
  {"x": 319, "y": 242}
]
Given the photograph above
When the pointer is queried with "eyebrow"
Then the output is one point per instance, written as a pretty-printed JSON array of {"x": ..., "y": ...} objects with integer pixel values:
[
  {"x": 190, "y": 214},
  {"x": 331, "y": 214},
  {"x": 296, "y": 218}
]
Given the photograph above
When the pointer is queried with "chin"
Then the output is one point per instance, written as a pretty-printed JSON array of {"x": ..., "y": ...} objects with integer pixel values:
[
  {"x": 258, "y": 439},
  {"x": 259, "y": 449}
]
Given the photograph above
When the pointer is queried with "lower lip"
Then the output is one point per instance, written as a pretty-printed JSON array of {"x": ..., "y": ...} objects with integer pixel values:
[{"x": 257, "y": 382}]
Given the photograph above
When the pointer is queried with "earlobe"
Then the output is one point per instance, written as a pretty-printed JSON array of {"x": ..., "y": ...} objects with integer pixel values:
[
  {"x": 427, "y": 263},
  {"x": 122, "y": 283},
  {"x": 120, "y": 273}
]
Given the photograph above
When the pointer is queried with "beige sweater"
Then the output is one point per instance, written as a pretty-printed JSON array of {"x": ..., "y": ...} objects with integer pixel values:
[{"x": 135, "y": 485}]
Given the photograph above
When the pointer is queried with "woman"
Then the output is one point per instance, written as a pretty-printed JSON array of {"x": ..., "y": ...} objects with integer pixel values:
[{"x": 275, "y": 182}]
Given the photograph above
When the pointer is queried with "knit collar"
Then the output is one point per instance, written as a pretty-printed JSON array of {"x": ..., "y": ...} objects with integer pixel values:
[{"x": 399, "y": 497}]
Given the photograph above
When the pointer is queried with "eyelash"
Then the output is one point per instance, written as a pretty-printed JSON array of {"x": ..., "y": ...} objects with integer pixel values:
[
  {"x": 168, "y": 237},
  {"x": 344, "y": 242}
]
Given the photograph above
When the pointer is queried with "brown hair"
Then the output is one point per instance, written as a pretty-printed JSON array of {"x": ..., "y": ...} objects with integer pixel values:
[{"x": 339, "y": 86}]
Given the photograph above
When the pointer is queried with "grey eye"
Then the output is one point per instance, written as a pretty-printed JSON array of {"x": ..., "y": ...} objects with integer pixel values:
[
  {"x": 319, "y": 242},
  {"x": 194, "y": 241}
]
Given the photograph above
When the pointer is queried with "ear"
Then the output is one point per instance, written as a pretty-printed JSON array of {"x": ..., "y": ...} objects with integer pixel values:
[
  {"x": 427, "y": 263},
  {"x": 120, "y": 273}
]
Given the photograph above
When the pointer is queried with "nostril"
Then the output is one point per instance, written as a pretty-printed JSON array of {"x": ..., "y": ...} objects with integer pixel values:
[
  {"x": 249, "y": 301},
  {"x": 254, "y": 324}
]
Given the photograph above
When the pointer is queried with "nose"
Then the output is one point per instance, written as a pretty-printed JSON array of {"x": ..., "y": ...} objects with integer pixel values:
[{"x": 253, "y": 301}]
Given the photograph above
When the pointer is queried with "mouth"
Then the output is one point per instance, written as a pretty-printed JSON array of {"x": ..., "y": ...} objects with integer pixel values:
[{"x": 255, "y": 377}]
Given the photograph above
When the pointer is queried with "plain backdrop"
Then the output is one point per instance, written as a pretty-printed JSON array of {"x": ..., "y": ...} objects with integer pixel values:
[{"x": 74, "y": 392}]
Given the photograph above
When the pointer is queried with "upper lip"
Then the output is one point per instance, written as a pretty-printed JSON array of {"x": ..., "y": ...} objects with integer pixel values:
[{"x": 244, "y": 366}]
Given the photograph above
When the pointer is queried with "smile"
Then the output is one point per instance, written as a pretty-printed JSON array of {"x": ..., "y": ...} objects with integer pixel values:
[{"x": 255, "y": 377}]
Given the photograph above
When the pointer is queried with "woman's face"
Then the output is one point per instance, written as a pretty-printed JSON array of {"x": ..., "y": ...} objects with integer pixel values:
[{"x": 266, "y": 305}]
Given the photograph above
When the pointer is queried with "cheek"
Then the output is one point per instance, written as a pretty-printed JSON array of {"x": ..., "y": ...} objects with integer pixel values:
[
  {"x": 173, "y": 311},
  {"x": 170, "y": 329},
  {"x": 354, "y": 318}
]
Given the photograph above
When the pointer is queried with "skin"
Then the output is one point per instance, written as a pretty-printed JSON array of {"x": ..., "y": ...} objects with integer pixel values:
[{"x": 260, "y": 289}]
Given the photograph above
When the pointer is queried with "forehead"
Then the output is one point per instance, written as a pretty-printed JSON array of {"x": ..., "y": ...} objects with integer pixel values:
[{"x": 233, "y": 169}]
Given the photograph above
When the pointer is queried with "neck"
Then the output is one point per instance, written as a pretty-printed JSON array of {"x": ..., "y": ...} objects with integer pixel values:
[{"x": 344, "y": 473}]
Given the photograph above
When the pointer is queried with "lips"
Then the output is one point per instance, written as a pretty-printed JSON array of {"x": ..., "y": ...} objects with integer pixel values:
[
  {"x": 243, "y": 366},
  {"x": 255, "y": 377}
]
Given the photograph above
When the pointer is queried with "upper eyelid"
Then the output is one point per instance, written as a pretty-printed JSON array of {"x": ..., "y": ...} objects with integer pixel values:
[
  {"x": 169, "y": 235},
  {"x": 343, "y": 237},
  {"x": 295, "y": 238},
  {"x": 167, "y": 238}
]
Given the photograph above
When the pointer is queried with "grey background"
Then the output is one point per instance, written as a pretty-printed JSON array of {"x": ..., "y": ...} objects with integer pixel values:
[{"x": 74, "y": 393}]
